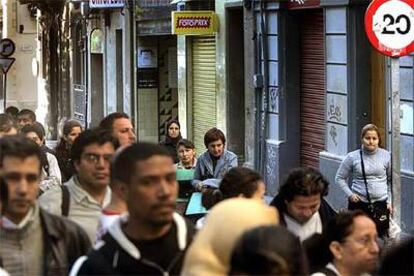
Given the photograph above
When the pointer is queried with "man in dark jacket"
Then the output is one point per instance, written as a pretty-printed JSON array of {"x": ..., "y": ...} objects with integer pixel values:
[
  {"x": 33, "y": 242},
  {"x": 152, "y": 239},
  {"x": 300, "y": 202}
]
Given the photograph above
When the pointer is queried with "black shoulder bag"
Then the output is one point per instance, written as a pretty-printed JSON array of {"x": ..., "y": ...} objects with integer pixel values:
[{"x": 377, "y": 211}]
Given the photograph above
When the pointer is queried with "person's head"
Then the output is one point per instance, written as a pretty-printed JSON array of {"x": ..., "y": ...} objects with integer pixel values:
[
  {"x": 173, "y": 129},
  {"x": 12, "y": 111},
  {"x": 34, "y": 132},
  {"x": 120, "y": 126},
  {"x": 210, "y": 197},
  {"x": 351, "y": 237},
  {"x": 71, "y": 131},
  {"x": 370, "y": 137},
  {"x": 212, "y": 247},
  {"x": 242, "y": 182},
  {"x": 214, "y": 140},
  {"x": 186, "y": 152},
  {"x": 25, "y": 117},
  {"x": 147, "y": 177},
  {"x": 91, "y": 154},
  {"x": 20, "y": 168},
  {"x": 302, "y": 193},
  {"x": 268, "y": 250},
  {"x": 7, "y": 125},
  {"x": 399, "y": 260}
]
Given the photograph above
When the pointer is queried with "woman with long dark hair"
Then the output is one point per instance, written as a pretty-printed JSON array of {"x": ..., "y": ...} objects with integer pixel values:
[
  {"x": 172, "y": 137},
  {"x": 71, "y": 131}
]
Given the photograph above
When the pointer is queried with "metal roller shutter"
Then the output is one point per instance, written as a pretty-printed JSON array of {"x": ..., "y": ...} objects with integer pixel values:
[
  {"x": 204, "y": 88},
  {"x": 312, "y": 119}
]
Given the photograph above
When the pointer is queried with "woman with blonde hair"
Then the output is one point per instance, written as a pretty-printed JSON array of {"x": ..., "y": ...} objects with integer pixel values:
[{"x": 370, "y": 170}]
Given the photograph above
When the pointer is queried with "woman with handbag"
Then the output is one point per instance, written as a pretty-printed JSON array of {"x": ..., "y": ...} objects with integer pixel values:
[{"x": 370, "y": 169}]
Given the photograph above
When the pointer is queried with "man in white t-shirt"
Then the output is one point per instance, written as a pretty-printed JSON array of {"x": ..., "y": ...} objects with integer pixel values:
[{"x": 300, "y": 202}]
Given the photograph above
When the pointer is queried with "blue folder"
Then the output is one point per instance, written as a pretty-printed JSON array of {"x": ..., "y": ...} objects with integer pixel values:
[{"x": 194, "y": 206}]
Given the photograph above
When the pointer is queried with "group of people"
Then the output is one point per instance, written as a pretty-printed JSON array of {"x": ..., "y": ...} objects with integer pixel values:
[{"x": 113, "y": 209}]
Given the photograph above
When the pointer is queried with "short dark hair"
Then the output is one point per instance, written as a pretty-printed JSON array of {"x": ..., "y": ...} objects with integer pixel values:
[
  {"x": 268, "y": 250},
  {"x": 29, "y": 113},
  {"x": 214, "y": 134},
  {"x": 239, "y": 180},
  {"x": 91, "y": 136},
  {"x": 303, "y": 182},
  {"x": 210, "y": 197},
  {"x": 109, "y": 120},
  {"x": 6, "y": 122},
  {"x": 12, "y": 111},
  {"x": 36, "y": 128},
  {"x": 186, "y": 144},
  {"x": 123, "y": 166},
  {"x": 340, "y": 227},
  {"x": 20, "y": 147}
]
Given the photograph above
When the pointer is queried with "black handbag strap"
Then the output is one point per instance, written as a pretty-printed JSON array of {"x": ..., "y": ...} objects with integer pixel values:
[
  {"x": 365, "y": 177},
  {"x": 65, "y": 201}
]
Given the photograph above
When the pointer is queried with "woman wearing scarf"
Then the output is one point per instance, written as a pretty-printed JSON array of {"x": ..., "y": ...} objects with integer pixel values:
[{"x": 172, "y": 137}]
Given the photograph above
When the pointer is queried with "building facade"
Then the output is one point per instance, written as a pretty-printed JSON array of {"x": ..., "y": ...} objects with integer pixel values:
[
  {"x": 293, "y": 83},
  {"x": 19, "y": 24},
  {"x": 320, "y": 82}
]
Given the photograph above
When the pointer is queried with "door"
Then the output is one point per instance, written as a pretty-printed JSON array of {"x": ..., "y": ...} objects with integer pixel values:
[
  {"x": 204, "y": 88},
  {"x": 235, "y": 74},
  {"x": 312, "y": 85}
]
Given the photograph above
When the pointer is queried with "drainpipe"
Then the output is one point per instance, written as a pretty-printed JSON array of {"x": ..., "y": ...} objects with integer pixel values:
[
  {"x": 258, "y": 86},
  {"x": 132, "y": 29},
  {"x": 263, "y": 103}
]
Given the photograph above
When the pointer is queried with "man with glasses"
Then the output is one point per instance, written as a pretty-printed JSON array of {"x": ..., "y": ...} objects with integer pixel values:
[
  {"x": 352, "y": 245},
  {"x": 32, "y": 241},
  {"x": 87, "y": 192}
]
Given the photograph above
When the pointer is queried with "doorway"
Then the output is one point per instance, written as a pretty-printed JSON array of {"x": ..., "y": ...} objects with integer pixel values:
[
  {"x": 312, "y": 87},
  {"x": 97, "y": 103},
  {"x": 235, "y": 84}
]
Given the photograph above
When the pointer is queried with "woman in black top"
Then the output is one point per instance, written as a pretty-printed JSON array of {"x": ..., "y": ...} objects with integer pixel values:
[
  {"x": 71, "y": 131},
  {"x": 172, "y": 137}
]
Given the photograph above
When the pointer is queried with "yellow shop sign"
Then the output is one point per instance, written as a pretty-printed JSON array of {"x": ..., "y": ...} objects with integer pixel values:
[{"x": 194, "y": 22}]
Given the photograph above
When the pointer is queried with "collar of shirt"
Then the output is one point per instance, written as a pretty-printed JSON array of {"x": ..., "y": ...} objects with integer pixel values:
[
  {"x": 80, "y": 195},
  {"x": 8, "y": 224},
  {"x": 305, "y": 230},
  {"x": 181, "y": 166},
  {"x": 333, "y": 268}
]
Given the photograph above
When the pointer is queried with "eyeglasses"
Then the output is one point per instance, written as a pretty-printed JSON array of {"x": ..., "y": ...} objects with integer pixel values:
[
  {"x": 365, "y": 241},
  {"x": 17, "y": 177},
  {"x": 92, "y": 158}
]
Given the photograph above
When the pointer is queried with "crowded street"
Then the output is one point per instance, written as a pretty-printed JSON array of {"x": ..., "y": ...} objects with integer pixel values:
[{"x": 207, "y": 137}]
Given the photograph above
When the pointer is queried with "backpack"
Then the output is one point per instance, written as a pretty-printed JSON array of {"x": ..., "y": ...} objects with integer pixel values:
[
  {"x": 44, "y": 162},
  {"x": 65, "y": 200}
]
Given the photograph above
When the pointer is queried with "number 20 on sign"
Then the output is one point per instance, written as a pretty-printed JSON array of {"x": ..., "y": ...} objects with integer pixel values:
[{"x": 389, "y": 25}]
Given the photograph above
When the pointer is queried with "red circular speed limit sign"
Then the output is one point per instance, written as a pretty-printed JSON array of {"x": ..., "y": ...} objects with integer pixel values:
[{"x": 389, "y": 25}]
